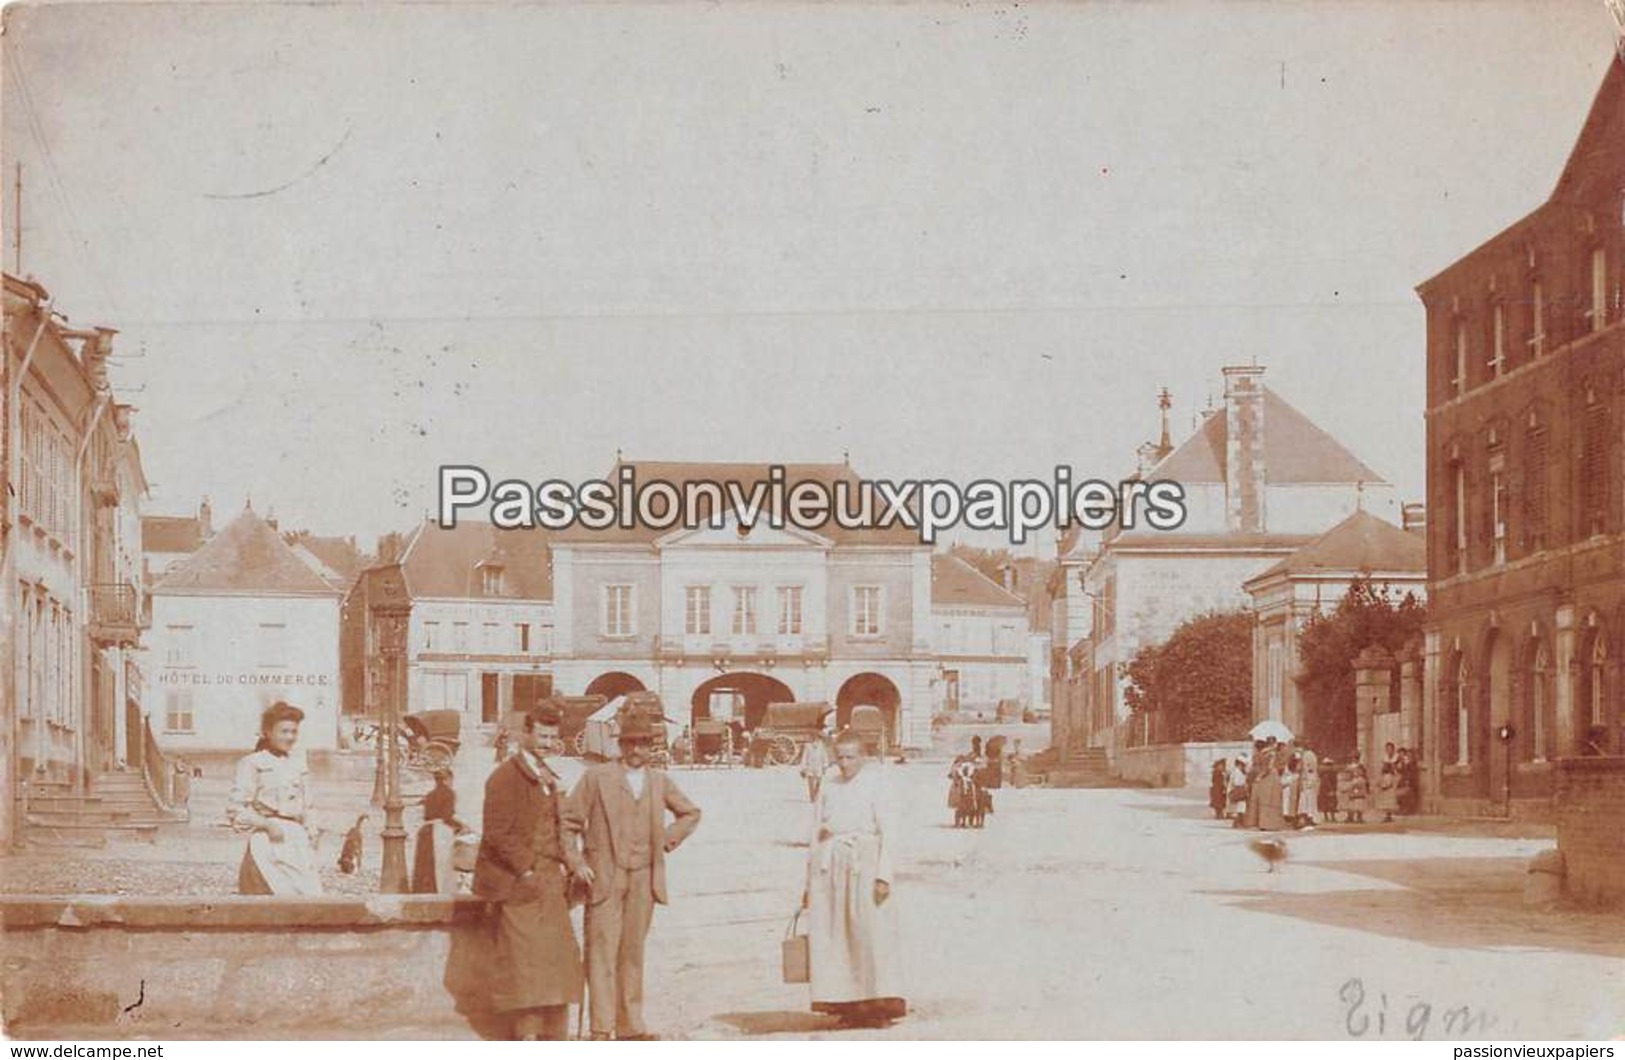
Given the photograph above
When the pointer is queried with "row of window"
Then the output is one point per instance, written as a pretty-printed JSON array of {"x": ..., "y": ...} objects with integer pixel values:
[
  {"x": 1518, "y": 496},
  {"x": 272, "y": 645},
  {"x": 490, "y": 638},
  {"x": 48, "y": 659},
  {"x": 1536, "y": 723},
  {"x": 969, "y": 636},
  {"x": 46, "y": 480},
  {"x": 1600, "y": 306},
  {"x": 743, "y": 617},
  {"x": 618, "y": 615}
]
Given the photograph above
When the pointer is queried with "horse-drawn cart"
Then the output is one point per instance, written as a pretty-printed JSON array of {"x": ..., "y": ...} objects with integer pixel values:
[{"x": 786, "y": 727}]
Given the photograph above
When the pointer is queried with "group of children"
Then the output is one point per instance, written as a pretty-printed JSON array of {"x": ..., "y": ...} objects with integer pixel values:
[{"x": 1290, "y": 787}]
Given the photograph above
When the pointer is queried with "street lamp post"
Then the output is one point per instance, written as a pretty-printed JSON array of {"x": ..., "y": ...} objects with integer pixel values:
[{"x": 389, "y": 612}]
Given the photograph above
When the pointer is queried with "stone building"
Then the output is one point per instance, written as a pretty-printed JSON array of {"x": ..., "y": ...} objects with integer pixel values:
[
  {"x": 1313, "y": 580},
  {"x": 481, "y": 633},
  {"x": 242, "y": 622},
  {"x": 73, "y": 608},
  {"x": 737, "y": 617},
  {"x": 1261, "y": 480},
  {"x": 980, "y": 637},
  {"x": 1526, "y": 551}
]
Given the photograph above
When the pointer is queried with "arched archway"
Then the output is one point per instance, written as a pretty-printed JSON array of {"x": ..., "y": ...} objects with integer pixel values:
[
  {"x": 1457, "y": 743},
  {"x": 612, "y": 684},
  {"x": 1537, "y": 725},
  {"x": 750, "y": 692},
  {"x": 1498, "y": 710},
  {"x": 869, "y": 690}
]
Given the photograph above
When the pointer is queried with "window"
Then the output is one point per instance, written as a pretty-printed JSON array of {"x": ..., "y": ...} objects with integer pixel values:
[
  {"x": 618, "y": 620},
  {"x": 1458, "y": 516},
  {"x": 1498, "y": 340},
  {"x": 493, "y": 637},
  {"x": 1458, "y": 381},
  {"x": 273, "y": 644},
  {"x": 182, "y": 649},
  {"x": 697, "y": 611},
  {"x": 522, "y": 636},
  {"x": 491, "y": 583},
  {"x": 1594, "y": 467},
  {"x": 1464, "y": 734},
  {"x": 1534, "y": 490},
  {"x": 744, "y": 618},
  {"x": 790, "y": 611},
  {"x": 459, "y": 636},
  {"x": 1498, "y": 507},
  {"x": 178, "y": 710},
  {"x": 1598, "y": 314},
  {"x": 866, "y": 611},
  {"x": 1537, "y": 321},
  {"x": 1540, "y": 675},
  {"x": 1597, "y": 702},
  {"x": 443, "y": 691},
  {"x": 431, "y": 636}
]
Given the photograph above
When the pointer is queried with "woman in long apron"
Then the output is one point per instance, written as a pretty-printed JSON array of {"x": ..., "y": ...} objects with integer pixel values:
[
  {"x": 854, "y": 947},
  {"x": 270, "y": 803}
]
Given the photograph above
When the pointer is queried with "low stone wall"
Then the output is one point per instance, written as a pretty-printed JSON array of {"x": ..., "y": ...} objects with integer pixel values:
[
  {"x": 1590, "y": 807},
  {"x": 244, "y": 967},
  {"x": 1174, "y": 765}
]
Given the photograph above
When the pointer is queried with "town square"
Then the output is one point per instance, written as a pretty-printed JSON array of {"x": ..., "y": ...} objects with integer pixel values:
[{"x": 858, "y": 523}]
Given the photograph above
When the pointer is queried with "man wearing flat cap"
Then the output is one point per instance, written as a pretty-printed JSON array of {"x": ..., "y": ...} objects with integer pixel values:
[
  {"x": 525, "y": 865},
  {"x": 619, "y": 811}
]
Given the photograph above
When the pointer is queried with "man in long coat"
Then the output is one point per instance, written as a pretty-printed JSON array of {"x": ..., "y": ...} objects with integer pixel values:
[
  {"x": 525, "y": 865},
  {"x": 619, "y": 811}
]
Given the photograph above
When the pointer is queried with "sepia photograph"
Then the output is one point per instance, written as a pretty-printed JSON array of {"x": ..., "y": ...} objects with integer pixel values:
[{"x": 691, "y": 520}]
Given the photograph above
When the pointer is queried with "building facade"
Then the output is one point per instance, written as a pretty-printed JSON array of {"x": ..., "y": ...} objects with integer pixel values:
[
  {"x": 243, "y": 622},
  {"x": 1526, "y": 554},
  {"x": 981, "y": 640},
  {"x": 72, "y": 610},
  {"x": 1313, "y": 581},
  {"x": 1261, "y": 481}
]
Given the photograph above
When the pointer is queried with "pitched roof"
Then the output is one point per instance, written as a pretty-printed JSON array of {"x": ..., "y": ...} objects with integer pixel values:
[
  {"x": 1362, "y": 542},
  {"x": 1295, "y": 451},
  {"x": 441, "y": 562},
  {"x": 747, "y": 475},
  {"x": 248, "y": 556},
  {"x": 337, "y": 554},
  {"x": 955, "y": 583},
  {"x": 170, "y": 533}
]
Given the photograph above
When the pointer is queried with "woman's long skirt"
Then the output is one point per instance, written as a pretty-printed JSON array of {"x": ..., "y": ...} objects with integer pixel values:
[
  {"x": 281, "y": 867},
  {"x": 853, "y": 944},
  {"x": 1267, "y": 796}
]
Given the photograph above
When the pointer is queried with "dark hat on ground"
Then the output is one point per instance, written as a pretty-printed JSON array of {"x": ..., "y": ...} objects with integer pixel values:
[{"x": 636, "y": 727}]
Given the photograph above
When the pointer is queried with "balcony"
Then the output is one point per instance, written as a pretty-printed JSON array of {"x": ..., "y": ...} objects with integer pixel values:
[{"x": 117, "y": 614}]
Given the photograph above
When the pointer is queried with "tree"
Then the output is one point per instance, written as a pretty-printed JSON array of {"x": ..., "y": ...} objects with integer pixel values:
[
  {"x": 1198, "y": 685},
  {"x": 1369, "y": 614}
]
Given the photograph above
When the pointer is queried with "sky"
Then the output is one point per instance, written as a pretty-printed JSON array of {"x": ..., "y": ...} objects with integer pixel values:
[{"x": 346, "y": 244}]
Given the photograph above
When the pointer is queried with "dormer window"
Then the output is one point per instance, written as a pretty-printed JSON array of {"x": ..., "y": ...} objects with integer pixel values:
[
  {"x": 1598, "y": 313},
  {"x": 1458, "y": 381},
  {"x": 1537, "y": 321},
  {"x": 492, "y": 582}
]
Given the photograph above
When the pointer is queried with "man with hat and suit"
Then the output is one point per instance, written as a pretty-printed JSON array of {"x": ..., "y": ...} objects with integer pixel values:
[
  {"x": 525, "y": 865},
  {"x": 619, "y": 809}
]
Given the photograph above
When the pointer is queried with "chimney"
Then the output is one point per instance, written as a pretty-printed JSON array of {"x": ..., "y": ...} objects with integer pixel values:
[
  {"x": 1007, "y": 574},
  {"x": 270, "y": 518},
  {"x": 1413, "y": 518},
  {"x": 389, "y": 549},
  {"x": 205, "y": 520},
  {"x": 1244, "y": 472}
]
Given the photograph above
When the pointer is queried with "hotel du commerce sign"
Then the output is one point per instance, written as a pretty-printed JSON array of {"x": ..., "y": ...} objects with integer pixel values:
[{"x": 245, "y": 678}]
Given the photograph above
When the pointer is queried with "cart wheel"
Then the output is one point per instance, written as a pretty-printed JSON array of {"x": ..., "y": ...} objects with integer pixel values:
[
  {"x": 435, "y": 756},
  {"x": 781, "y": 750},
  {"x": 580, "y": 742}
]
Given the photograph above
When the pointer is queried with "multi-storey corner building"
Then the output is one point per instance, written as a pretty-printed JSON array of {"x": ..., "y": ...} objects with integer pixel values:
[
  {"x": 73, "y": 607},
  {"x": 1526, "y": 554}
]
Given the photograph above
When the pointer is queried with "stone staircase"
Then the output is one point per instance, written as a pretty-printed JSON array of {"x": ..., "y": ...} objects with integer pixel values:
[
  {"x": 116, "y": 806},
  {"x": 1085, "y": 767}
]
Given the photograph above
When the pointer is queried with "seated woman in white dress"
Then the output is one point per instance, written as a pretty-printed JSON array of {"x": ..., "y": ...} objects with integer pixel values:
[
  {"x": 852, "y": 936},
  {"x": 270, "y": 801}
]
